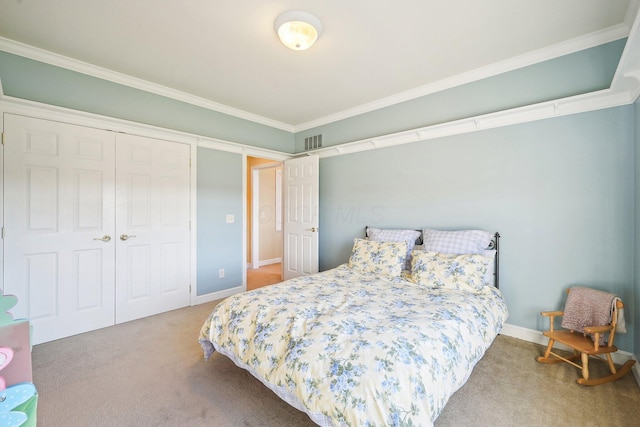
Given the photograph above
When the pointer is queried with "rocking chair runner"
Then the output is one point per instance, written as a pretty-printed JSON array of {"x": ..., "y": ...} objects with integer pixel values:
[{"x": 585, "y": 345}]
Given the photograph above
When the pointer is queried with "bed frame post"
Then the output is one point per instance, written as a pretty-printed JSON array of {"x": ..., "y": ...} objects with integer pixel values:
[{"x": 496, "y": 270}]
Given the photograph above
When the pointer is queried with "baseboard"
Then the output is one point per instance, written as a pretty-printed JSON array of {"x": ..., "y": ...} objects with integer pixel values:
[
  {"x": 265, "y": 262},
  {"x": 202, "y": 299},
  {"x": 534, "y": 336},
  {"x": 269, "y": 261}
]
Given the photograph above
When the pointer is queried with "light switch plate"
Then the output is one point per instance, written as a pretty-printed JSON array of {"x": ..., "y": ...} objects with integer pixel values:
[{"x": 230, "y": 219}]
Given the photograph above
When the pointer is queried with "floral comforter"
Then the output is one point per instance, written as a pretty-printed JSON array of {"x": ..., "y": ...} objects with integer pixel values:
[{"x": 350, "y": 348}]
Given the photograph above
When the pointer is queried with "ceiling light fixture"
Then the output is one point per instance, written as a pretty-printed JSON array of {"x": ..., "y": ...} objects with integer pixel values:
[{"x": 298, "y": 30}]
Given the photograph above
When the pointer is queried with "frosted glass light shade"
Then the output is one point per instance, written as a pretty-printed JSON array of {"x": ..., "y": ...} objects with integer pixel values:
[{"x": 298, "y": 30}]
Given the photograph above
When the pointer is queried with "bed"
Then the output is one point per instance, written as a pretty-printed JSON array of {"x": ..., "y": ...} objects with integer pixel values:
[{"x": 384, "y": 339}]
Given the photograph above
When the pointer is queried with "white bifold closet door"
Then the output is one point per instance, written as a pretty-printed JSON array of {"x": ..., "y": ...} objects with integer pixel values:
[
  {"x": 152, "y": 222},
  {"x": 75, "y": 197}
]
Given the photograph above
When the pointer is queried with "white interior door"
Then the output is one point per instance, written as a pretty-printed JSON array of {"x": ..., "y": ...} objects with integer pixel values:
[
  {"x": 301, "y": 209},
  {"x": 59, "y": 225},
  {"x": 152, "y": 217}
]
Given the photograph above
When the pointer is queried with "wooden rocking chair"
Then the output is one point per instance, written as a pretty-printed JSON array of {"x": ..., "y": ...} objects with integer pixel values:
[{"x": 585, "y": 345}]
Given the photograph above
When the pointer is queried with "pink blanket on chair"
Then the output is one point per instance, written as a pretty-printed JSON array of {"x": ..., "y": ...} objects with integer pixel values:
[{"x": 587, "y": 307}]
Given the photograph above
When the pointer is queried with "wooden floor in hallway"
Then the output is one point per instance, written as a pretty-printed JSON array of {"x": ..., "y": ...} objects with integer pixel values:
[{"x": 264, "y": 276}]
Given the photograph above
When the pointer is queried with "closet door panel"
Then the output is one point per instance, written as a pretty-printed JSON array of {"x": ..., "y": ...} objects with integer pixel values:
[
  {"x": 153, "y": 212},
  {"x": 59, "y": 205}
]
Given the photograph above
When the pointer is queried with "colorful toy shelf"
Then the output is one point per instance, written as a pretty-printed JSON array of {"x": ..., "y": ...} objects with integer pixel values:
[{"x": 18, "y": 395}]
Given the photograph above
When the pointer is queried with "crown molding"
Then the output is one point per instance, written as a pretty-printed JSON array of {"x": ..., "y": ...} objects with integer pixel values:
[
  {"x": 577, "y": 44},
  {"x": 561, "y": 107},
  {"x": 607, "y": 98},
  {"x": 41, "y": 55},
  {"x": 570, "y": 46},
  {"x": 233, "y": 147},
  {"x": 632, "y": 12},
  {"x": 24, "y": 107},
  {"x": 624, "y": 90},
  {"x": 627, "y": 76},
  {"x": 39, "y": 110}
]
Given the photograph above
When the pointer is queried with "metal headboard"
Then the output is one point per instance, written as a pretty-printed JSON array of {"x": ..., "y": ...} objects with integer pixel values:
[
  {"x": 493, "y": 244},
  {"x": 496, "y": 261}
]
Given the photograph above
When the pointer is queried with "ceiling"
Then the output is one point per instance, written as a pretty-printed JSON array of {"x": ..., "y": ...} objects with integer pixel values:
[{"x": 226, "y": 54}]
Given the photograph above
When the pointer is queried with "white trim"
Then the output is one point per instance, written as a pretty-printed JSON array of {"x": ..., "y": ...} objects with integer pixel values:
[
  {"x": 557, "y": 108},
  {"x": 236, "y": 147},
  {"x": 213, "y": 296},
  {"x": 586, "y": 41},
  {"x": 634, "y": 92},
  {"x": 245, "y": 222},
  {"x": 618, "y": 95},
  {"x": 572, "y": 105},
  {"x": 269, "y": 262},
  {"x": 193, "y": 223},
  {"x": 564, "y": 48},
  {"x": 632, "y": 12},
  {"x": 278, "y": 204},
  {"x": 255, "y": 214},
  {"x": 216, "y": 144},
  {"x": 37, "y": 54},
  {"x": 61, "y": 114},
  {"x": 627, "y": 76}
]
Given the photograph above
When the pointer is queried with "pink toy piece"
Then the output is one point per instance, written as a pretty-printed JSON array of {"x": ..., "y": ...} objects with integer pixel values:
[
  {"x": 6, "y": 356},
  {"x": 16, "y": 336}
]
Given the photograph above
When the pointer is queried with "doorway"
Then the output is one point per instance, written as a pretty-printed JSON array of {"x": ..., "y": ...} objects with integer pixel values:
[{"x": 264, "y": 222}]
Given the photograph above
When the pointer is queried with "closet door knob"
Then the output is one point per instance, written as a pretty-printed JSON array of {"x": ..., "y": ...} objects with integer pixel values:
[
  {"x": 104, "y": 238},
  {"x": 126, "y": 236}
]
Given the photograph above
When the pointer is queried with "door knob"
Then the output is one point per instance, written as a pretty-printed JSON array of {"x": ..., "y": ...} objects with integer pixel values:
[
  {"x": 126, "y": 236},
  {"x": 312, "y": 229},
  {"x": 104, "y": 238}
]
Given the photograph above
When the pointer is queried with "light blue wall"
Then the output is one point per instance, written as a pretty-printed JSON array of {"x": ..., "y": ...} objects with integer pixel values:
[
  {"x": 219, "y": 244},
  {"x": 578, "y": 73},
  {"x": 28, "y": 79},
  {"x": 560, "y": 192}
]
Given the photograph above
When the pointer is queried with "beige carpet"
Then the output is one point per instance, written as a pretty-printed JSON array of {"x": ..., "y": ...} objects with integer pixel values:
[{"x": 150, "y": 372}]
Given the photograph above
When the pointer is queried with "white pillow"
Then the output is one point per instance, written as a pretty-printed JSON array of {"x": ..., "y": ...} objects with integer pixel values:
[
  {"x": 390, "y": 235},
  {"x": 456, "y": 242}
]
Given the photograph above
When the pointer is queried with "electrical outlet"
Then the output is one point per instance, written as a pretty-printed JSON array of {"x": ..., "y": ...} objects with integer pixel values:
[{"x": 221, "y": 273}]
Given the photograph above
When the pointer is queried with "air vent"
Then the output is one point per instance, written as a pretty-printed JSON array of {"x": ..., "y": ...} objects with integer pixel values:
[{"x": 313, "y": 142}]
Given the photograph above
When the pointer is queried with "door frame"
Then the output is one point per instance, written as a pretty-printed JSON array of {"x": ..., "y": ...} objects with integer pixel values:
[{"x": 255, "y": 209}]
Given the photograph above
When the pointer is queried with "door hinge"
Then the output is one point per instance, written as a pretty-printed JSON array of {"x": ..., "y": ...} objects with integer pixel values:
[
  {"x": 189, "y": 161},
  {"x": 3, "y": 233},
  {"x": 2, "y": 138}
]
